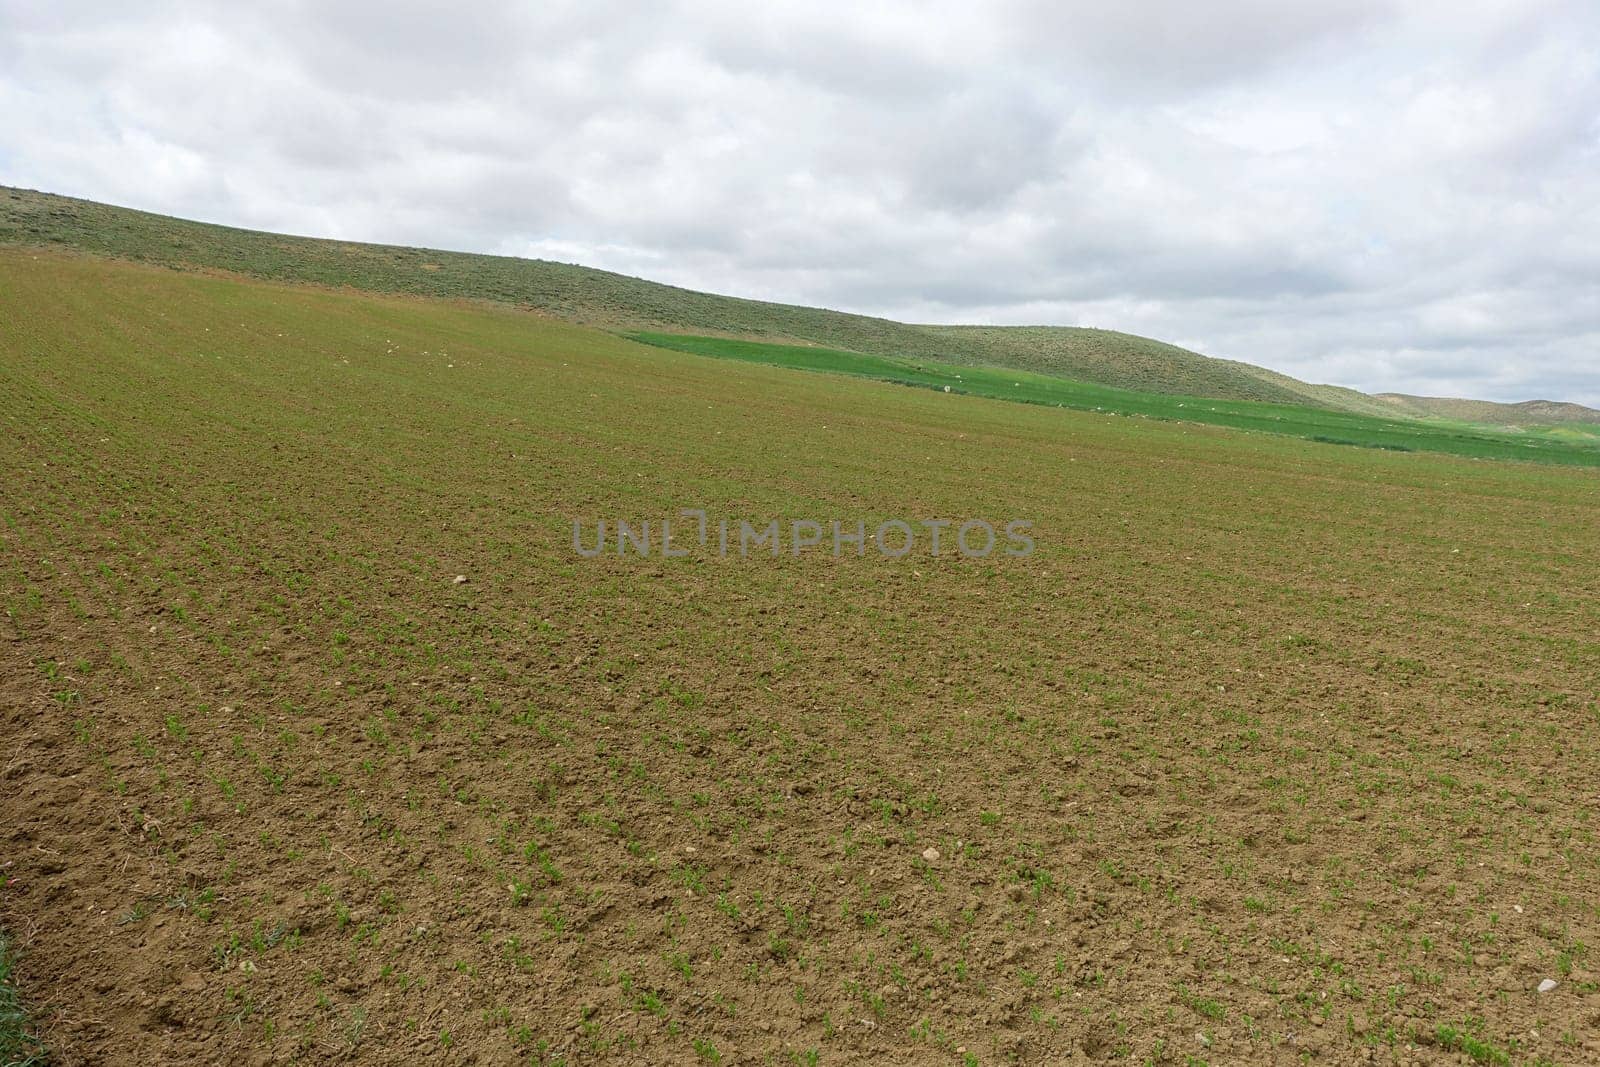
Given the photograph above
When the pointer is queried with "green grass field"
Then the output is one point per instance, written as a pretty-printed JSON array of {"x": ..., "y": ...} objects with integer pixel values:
[
  {"x": 1569, "y": 445},
  {"x": 1272, "y": 752}
]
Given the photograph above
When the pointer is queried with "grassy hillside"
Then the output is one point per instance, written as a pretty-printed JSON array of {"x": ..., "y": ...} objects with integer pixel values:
[
  {"x": 1264, "y": 742},
  {"x": 1327, "y": 396},
  {"x": 1489, "y": 413},
  {"x": 1102, "y": 357},
  {"x": 618, "y": 302},
  {"x": 1298, "y": 420},
  {"x": 581, "y": 294}
]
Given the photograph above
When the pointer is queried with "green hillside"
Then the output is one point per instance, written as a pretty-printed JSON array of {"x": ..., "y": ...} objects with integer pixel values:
[
  {"x": 1106, "y": 357},
  {"x": 616, "y": 301},
  {"x": 1329, "y": 396},
  {"x": 1398, "y": 434},
  {"x": 621, "y": 303}
]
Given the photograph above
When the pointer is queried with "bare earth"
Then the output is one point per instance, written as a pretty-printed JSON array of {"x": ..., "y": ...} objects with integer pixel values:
[{"x": 1274, "y": 752}]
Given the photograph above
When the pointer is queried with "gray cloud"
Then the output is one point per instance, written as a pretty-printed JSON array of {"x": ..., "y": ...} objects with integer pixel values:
[
  {"x": 1153, "y": 48},
  {"x": 1389, "y": 194}
]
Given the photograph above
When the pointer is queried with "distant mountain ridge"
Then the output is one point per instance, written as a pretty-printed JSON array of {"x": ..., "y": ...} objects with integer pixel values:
[
  {"x": 616, "y": 301},
  {"x": 1528, "y": 412}
]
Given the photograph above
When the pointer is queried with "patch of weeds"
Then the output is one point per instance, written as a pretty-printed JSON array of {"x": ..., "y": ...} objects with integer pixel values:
[
  {"x": 19, "y": 1045},
  {"x": 1456, "y": 1039},
  {"x": 1205, "y": 1006}
]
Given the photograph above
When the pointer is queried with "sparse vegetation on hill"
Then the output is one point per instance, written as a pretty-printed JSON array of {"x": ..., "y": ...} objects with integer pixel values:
[
  {"x": 1487, "y": 412},
  {"x": 581, "y": 294}
]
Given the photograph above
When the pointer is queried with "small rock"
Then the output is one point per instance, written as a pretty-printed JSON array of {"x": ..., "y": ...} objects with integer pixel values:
[
  {"x": 931, "y": 855},
  {"x": 1205, "y": 1041},
  {"x": 1547, "y": 985},
  {"x": 460, "y": 579}
]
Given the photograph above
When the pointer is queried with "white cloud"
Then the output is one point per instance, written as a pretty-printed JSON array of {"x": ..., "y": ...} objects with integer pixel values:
[{"x": 1390, "y": 194}]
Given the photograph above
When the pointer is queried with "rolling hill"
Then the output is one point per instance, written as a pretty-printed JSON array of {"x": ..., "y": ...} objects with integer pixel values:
[
  {"x": 620, "y": 303},
  {"x": 1526, "y": 413},
  {"x": 615, "y": 301}
]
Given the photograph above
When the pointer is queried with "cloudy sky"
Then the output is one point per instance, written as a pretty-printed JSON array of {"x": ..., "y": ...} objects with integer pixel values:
[{"x": 1387, "y": 194}]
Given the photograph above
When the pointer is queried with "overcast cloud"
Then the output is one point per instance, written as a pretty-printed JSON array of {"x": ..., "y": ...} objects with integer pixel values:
[{"x": 1387, "y": 194}]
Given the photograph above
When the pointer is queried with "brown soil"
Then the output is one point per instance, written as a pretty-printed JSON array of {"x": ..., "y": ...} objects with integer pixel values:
[{"x": 1274, "y": 753}]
